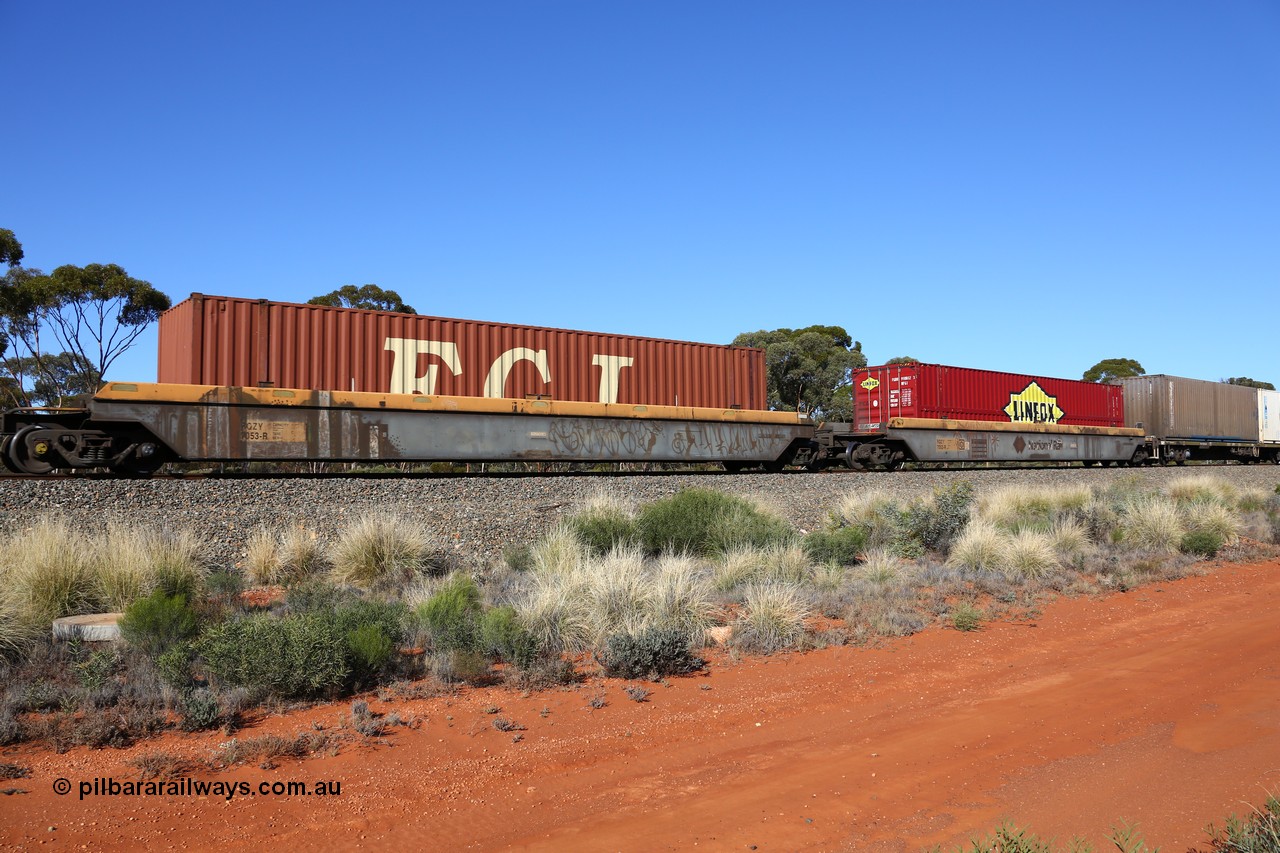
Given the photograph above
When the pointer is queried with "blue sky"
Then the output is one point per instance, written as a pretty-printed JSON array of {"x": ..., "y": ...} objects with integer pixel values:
[{"x": 1022, "y": 186}]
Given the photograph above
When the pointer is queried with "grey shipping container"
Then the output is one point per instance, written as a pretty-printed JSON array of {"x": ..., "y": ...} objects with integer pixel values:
[{"x": 1176, "y": 407}]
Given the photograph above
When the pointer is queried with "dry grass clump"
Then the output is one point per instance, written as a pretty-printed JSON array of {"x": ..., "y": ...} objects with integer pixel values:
[
  {"x": 1029, "y": 554},
  {"x": 1154, "y": 525},
  {"x": 1202, "y": 488},
  {"x": 1216, "y": 519},
  {"x": 617, "y": 589},
  {"x": 783, "y": 562},
  {"x": 681, "y": 596},
  {"x": 291, "y": 556},
  {"x": 876, "y": 511},
  {"x": 560, "y": 552},
  {"x": 735, "y": 568},
  {"x": 48, "y": 573},
  {"x": 772, "y": 618},
  {"x": 1070, "y": 540},
  {"x": 880, "y": 566},
  {"x": 980, "y": 547},
  {"x": 1017, "y": 507},
  {"x": 380, "y": 552}
]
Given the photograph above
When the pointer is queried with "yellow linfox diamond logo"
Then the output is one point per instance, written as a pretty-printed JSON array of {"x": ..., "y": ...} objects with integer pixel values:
[
  {"x": 870, "y": 383},
  {"x": 1032, "y": 405}
]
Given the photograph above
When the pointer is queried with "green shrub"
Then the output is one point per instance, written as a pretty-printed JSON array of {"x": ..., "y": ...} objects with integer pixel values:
[
  {"x": 701, "y": 521},
  {"x": 296, "y": 656},
  {"x": 842, "y": 546},
  {"x": 451, "y": 616},
  {"x": 966, "y": 617},
  {"x": 155, "y": 623},
  {"x": 1204, "y": 543},
  {"x": 652, "y": 653},
  {"x": 602, "y": 525},
  {"x": 933, "y": 523},
  {"x": 173, "y": 665},
  {"x": 502, "y": 636},
  {"x": 368, "y": 650},
  {"x": 1259, "y": 832},
  {"x": 200, "y": 710}
]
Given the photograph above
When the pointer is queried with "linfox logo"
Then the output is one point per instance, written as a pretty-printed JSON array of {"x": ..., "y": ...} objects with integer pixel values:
[
  {"x": 1033, "y": 405},
  {"x": 870, "y": 383}
]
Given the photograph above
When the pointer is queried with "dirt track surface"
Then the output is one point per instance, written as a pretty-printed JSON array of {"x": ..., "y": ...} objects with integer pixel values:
[{"x": 1160, "y": 707}]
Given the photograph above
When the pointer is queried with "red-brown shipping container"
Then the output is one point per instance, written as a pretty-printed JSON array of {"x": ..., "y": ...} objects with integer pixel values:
[
  {"x": 962, "y": 393},
  {"x": 218, "y": 340}
]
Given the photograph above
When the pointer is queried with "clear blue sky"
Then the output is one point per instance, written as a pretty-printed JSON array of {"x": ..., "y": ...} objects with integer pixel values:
[{"x": 1025, "y": 186}]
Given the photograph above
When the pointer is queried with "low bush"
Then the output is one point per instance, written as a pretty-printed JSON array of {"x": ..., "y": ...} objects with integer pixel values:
[
  {"x": 1203, "y": 543},
  {"x": 200, "y": 710},
  {"x": 966, "y": 617},
  {"x": 502, "y": 636},
  {"x": 933, "y": 523},
  {"x": 296, "y": 656},
  {"x": 451, "y": 616},
  {"x": 705, "y": 522},
  {"x": 369, "y": 650},
  {"x": 842, "y": 546},
  {"x": 157, "y": 622},
  {"x": 602, "y": 525},
  {"x": 651, "y": 653}
]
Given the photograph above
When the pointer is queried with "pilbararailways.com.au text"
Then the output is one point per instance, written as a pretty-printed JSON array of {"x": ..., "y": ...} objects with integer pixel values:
[{"x": 187, "y": 787}]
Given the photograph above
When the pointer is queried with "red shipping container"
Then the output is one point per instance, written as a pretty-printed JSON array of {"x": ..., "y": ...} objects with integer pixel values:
[
  {"x": 217, "y": 340},
  {"x": 962, "y": 393}
]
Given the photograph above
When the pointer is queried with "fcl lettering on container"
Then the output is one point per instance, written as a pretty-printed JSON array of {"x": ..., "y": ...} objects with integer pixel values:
[{"x": 229, "y": 341}]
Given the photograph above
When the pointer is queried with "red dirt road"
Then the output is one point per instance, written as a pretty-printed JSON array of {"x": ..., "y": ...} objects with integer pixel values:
[{"x": 1160, "y": 707}]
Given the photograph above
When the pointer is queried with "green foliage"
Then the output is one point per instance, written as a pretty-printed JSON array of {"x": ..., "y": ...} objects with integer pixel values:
[
  {"x": 602, "y": 528},
  {"x": 96, "y": 312},
  {"x": 173, "y": 665},
  {"x": 369, "y": 649},
  {"x": 1204, "y": 543},
  {"x": 1113, "y": 368},
  {"x": 369, "y": 297},
  {"x": 502, "y": 635},
  {"x": 297, "y": 656},
  {"x": 966, "y": 617},
  {"x": 809, "y": 368},
  {"x": 934, "y": 523},
  {"x": 652, "y": 653},
  {"x": 1259, "y": 832},
  {"x": 200, "y": 710},
  {"x": 701, "y": 521},
  {"x": 10, "y": 248},
  {"x": 842, "y": 546},
  {"x": 452, "y": 615},
  {"x": 1249, "y": 383}
]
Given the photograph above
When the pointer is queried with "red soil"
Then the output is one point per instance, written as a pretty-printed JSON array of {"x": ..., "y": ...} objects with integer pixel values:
[{"x": 1160, "y": 707}]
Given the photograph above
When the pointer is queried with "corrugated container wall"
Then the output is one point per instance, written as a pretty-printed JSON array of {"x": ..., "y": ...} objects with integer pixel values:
[
  {"x": 1269, "y": 416},
  {"x": 215, "y": 340},
  {"x": 963, "y": 393},
  {"x": 1176, "y": 407}
]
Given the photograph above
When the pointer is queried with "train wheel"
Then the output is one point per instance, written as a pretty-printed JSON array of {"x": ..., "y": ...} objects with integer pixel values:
[
  {"x": 4, "y": 455},
  {"x": 29, "y": 455}
]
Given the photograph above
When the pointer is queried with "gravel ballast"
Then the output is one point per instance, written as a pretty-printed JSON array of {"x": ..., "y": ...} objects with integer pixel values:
[{"x": 479, "y": 518}]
